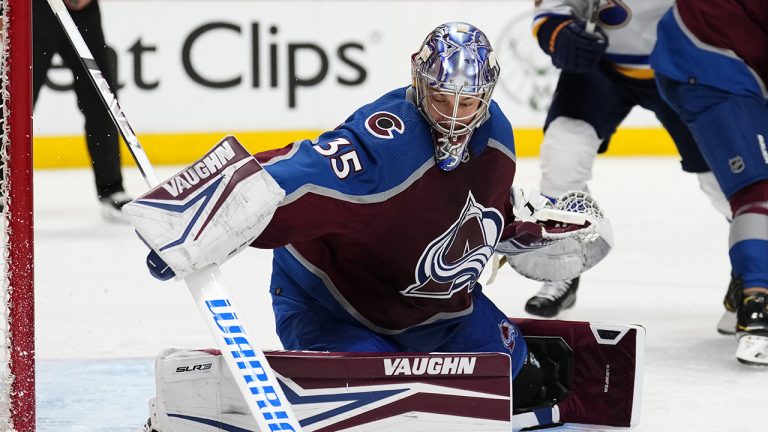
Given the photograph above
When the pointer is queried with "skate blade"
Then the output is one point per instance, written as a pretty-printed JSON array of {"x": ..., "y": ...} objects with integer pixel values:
[
  {"x": 727, "y": 323},
  {"x": 753, "y": 350}
]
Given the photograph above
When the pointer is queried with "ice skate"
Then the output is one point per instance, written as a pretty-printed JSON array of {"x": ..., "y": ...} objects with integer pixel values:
[
  {"x": 752, "y": 330},
  {"x": 553, "y": 298},
  {"x": 112, "y": 205},
  {"x": 727, "y": 323}
]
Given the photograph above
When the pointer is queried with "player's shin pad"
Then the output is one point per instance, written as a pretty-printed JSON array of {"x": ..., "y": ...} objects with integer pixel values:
[
  {"x": 382, "y": 392},
  {"x": 569, "y": 256},
  {"x": 209, "y": 211}
]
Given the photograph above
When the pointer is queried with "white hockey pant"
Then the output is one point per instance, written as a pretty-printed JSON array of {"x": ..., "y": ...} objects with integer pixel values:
[{"x": 568, "y": 152}]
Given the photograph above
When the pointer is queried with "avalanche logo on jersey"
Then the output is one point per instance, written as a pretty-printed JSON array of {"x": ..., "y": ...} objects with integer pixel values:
[
  {"x": 508, "y": 334},
  {"x": 382, "y": 124},
  {"x": 455, "y": 259}
]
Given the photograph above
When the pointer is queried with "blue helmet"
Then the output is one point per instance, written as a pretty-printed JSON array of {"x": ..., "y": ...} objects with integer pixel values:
[{"x": 454, "y": 73}]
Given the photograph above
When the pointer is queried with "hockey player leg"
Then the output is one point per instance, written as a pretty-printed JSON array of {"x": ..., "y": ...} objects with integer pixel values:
[
  {"x": 553, "y": 298},
  {"x": 568, "y": 152},
  {"x": 727, "y": 124},
  {"x": 710, "y": 187},
  {"x": 748, "y": 249},
  {"x": 731, "y": 302}
]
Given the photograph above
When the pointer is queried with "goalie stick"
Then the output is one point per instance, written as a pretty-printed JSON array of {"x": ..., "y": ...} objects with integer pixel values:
[{"x": 244, "y": 359}]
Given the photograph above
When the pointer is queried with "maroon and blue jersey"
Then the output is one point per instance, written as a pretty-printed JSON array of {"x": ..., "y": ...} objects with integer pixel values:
[
  {"x": 371, "y": 229},
  {"x": 703, "y": 42}
]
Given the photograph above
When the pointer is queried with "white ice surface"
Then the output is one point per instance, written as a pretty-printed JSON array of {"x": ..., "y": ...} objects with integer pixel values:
[{"x": 101, "y": 318}]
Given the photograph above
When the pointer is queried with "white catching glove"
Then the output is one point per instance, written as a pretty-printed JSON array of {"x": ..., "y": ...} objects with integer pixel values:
[
  {"x": 526, "y": 206},
  {"x": 555, "y": 242},
  {"x": 537, "y": 223},
  {"x": 534, "y": 207}
]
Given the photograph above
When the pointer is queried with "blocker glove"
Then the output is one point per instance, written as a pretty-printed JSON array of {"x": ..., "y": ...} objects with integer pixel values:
[{"x": 570, "y": 46}]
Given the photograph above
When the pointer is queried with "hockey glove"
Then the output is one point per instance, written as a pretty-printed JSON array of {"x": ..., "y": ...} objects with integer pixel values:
[
  {"x": 570, "y": 46},
  {"x": 537, "y": 223},
  {"x": 574, "y": 246},
  {"x": 209, "y": 211},
  {"x": 158, "y": 268}
]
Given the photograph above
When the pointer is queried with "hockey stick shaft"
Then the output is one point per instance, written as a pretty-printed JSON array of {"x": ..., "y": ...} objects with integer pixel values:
[
  {"x": 246, "y": 361},
  {"x": 594, "y": 8},
  {"x": 109, "y": 99}
]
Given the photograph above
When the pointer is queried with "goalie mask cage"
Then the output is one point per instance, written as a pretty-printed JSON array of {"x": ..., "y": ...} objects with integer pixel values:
[{"x": 17, "y": 385}]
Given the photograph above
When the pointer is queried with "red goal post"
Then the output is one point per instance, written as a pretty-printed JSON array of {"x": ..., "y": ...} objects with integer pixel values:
[{"x": 17, "y": 386}]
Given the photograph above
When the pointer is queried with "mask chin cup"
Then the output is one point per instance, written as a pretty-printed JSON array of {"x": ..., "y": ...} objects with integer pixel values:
[{"x": 450, "y": 152}]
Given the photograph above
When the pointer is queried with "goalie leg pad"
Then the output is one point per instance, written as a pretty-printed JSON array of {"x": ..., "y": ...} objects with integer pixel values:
[
  {"x": 602, "y": 385},
  {"x": 196, "y": 393},
  {"x": 386, "y": 392},
  {"x": 209, "y": 211}
]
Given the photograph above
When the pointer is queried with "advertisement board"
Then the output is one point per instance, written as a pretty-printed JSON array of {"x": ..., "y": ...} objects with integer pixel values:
[{"x": 192, "y": 71}]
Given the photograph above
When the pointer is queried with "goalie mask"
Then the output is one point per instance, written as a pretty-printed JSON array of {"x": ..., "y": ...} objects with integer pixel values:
[{"x": 454, "y": 73}]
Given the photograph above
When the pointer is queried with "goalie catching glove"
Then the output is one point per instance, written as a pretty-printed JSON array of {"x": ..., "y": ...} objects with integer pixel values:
[
  {"x": 537, "y": 224},
  {"x": 549, "y": 242},
  {"x": 206, "y": 213}
]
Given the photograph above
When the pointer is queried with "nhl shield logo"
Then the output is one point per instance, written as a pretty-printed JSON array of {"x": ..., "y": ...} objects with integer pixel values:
[{"x": 736, "y": 164}]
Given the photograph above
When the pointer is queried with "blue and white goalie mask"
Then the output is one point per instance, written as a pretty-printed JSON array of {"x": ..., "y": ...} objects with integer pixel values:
[{"x": 454, "y": 73}]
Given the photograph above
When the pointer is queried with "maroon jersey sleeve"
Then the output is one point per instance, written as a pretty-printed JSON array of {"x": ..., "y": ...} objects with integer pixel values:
[{"x": 738, "y": 25}]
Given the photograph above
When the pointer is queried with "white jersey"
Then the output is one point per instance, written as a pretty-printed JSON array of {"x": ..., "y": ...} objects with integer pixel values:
[{"x": 629, "y": 24}]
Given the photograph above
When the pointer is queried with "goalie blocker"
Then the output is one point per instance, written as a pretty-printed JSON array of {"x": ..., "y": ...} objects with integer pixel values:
[
  {"x": 593, "y": 376},
  {"x": 207, "y": 212}
]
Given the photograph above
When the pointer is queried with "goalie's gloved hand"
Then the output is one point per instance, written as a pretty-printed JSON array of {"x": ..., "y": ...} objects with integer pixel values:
[
  {"x": 524, "y": 233},
  {"x": 158, "y": 268},
  {"x": 535, "y": 223},
  {"x": 570, "y": 46},
  {"x": 522, "y": 236},
  {"x": 527, "y": 205}
]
